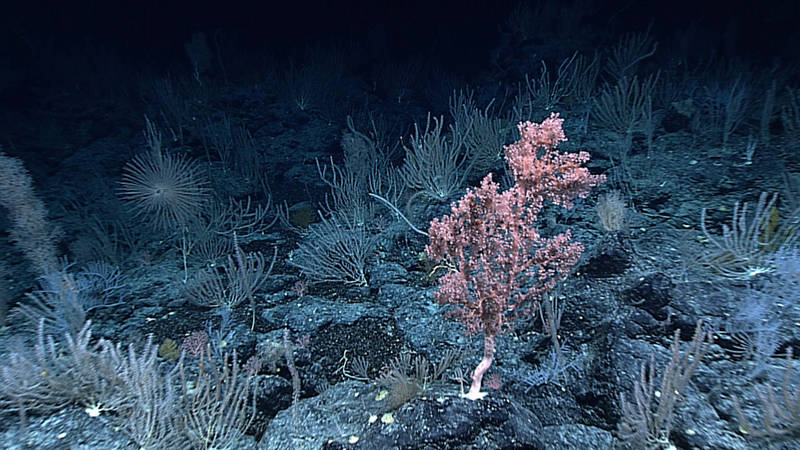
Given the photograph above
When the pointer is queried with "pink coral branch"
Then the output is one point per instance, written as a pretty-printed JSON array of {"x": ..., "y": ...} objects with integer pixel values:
[{"x": 491, "y": 240}]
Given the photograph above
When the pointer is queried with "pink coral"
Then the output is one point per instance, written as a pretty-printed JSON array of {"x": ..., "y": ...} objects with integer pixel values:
[{"x": 500, "y": 266}]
